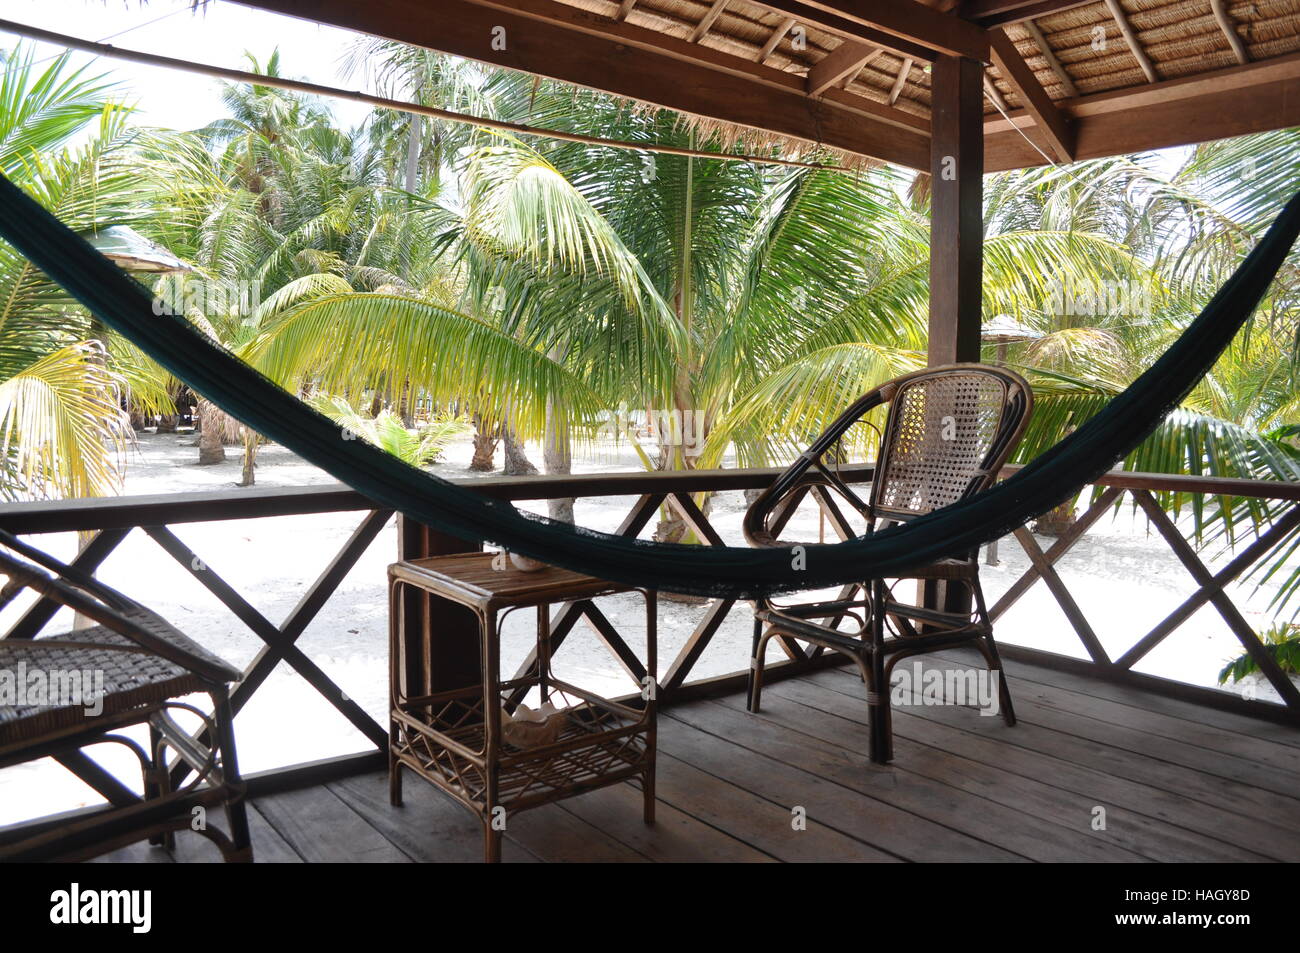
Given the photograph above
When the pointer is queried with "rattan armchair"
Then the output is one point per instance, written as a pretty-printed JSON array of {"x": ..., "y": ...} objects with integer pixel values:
[
  {"x": 947, "y": 434},
  {"x": 141, "y": 666}
]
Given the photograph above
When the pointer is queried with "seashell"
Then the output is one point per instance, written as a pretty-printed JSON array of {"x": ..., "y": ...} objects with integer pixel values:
[
  {"x": 525, "y": 564},
  {"x": 504, "y": 560},
  {"x": 532, "y": 729}
]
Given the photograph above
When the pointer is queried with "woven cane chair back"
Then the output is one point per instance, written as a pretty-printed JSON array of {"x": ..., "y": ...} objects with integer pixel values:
[
  {"x": 948, "y": 432},
  {"x": 947, "y": 436}
]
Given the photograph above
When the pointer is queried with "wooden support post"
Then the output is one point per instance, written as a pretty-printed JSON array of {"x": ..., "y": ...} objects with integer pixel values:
[
  {"x": 956, "y": 209},
  {"x": 956, "y": 236},
  {"x": 451, "y": 660}
]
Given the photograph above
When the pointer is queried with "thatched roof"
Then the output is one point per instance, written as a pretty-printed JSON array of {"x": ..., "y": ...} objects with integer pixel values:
[
  {"x": 1064, "y": 79},
  {"x": 1178, "y": 37}
]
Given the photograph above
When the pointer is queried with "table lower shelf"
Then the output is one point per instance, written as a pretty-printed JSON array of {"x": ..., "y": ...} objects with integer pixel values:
[{"x": 442, "y": 738}]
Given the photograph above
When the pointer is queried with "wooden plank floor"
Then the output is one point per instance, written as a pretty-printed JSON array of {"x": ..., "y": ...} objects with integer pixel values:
[{"x": 1177, "y": 782}]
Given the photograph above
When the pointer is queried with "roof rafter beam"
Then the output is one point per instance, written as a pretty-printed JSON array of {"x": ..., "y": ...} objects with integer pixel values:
[
  {"x": 1055, "y": 128},
  {"x": 1046, "y": 50},
  {"x": 906, "y": 20},
  {"x": 998, "y": 101},
  {"x": 991, "y": 13},
  {"x": 1229, "y": 30},
  {"x": 900, "y": 80},
  {"x": 630, "y": 61},
  {"x": 1234, "y": 101},
  {"x": 851, "y": 28},
  {"x": 775, "y": 39},
  {"x": 704, "y": 26},
  {"x": 842, "y": 62},
  {"x": 624, "y": 9},
  {"x": 1126, "y": 31}
]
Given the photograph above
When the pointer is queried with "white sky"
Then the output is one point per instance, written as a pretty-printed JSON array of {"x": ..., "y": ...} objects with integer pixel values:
[{"x": 217, "y": 34}]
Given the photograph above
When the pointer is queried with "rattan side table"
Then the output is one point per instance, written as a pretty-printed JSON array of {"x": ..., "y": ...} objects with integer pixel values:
[{"x": 453, "y": 738}]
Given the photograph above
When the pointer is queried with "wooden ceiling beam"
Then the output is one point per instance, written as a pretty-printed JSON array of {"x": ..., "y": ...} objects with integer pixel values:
[
  {"x": 1258, "y": 97},
  {"x": 568, "y": 43},
  {"x": 1229, "y": 30},
  {"x": 1055, "y": 129},
  {"x": 624, "y": 9},
  {"x": 900, "y": 80},
  {"x": 1257, "y": 76},
  {"x": 775, "y": 39},
  {"x": 850, "y": 29},
  {"x": 1046, "y": 50},
  {"x": 843, "y": 61},
  {"x": 1126, "y": 31},
  {"x": 905, "y": 20},
  {"x": 704, "y": 26},
  {"x": 991, "y": 13},
  {"x": 991, "y": 91},
  {"x": 574, "y": 18}
]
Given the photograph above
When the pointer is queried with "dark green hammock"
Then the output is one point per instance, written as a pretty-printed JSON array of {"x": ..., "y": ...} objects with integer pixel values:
[{"x": 244, "y": 393}]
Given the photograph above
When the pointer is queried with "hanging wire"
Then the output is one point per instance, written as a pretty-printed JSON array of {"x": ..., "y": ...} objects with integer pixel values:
[{"x": 316, "y": 89}]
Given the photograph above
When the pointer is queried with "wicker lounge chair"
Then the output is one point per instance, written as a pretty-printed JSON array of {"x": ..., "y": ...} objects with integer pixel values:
[
  {"x": 948, "y": 433},
  {"x": 140, "y": 666}
]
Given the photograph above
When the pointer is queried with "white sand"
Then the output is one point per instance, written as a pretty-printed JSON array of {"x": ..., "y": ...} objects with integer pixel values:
[{"x": 1124, "y": 578}]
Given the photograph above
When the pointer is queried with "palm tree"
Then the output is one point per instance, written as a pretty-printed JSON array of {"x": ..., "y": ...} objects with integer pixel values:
[
  {"x": 1183, "y": 233},
  {"x": 299, "y": 199},
  {"x": 716, "y": 292},
  {"x": 62, "y": 378}
]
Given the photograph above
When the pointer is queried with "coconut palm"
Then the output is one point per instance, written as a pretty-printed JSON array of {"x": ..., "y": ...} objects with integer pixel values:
[
  {"x": 1185, "y": 233},
  {"x": 299, "y": 199},
  {"x": 724, "y": 293},
  {"x": 62, "y": 378}
]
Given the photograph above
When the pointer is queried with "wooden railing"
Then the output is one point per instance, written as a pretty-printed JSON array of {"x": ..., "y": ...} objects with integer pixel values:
[
  {"x": 111, "y": 520},
  {"x": 1211, "y": 587}
]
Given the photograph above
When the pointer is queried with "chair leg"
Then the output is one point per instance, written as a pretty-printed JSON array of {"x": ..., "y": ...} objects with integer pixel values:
[
  {"x": 989, "y": 649},
  {"x": 1004, "y": 693},
  {"x": 757, "y": 651},
  {"x": 394, "y": 768},
  {"x": 236, "y": 806},
  {"x": 157, "y": 782},
  {"x": 648, "y": 792},
  {"x": 491, "y": 843},
  {"x": 881, "y": 748},
  {"x": 878, "y": 713},
  {"x": 394, "y": 782}
]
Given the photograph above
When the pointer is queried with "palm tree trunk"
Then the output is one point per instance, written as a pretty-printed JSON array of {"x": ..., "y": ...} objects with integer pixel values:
[
  {"x": 485, "y": 446},
  {"x": 557, "y": 458},
  {"x": 404, "y": 406},
  {"x": 516, "y": 461},
  {"x": 212, "y": 448},
  {"x": 250, "y": 457}
]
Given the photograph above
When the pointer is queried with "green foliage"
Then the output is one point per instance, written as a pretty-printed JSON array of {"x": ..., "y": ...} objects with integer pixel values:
[
  {"x": 1281, "y": 642},
  {"x": 61, "y": 377},
  {"x": 419, "y": 447}
]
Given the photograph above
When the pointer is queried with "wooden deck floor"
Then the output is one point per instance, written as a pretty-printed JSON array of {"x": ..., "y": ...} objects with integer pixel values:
[{"x": 1177, "y": 782}]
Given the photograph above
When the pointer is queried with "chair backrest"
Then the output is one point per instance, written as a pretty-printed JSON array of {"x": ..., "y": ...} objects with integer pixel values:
[{"x": 948, "y": 433}]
